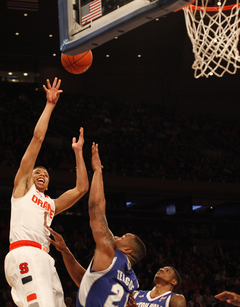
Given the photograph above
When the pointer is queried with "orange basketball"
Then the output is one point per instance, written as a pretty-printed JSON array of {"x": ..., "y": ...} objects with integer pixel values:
[{"x": 77, "y": 64}]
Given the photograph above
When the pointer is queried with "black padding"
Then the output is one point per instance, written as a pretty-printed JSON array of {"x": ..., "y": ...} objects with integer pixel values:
[{"x": 26, "y": 279}]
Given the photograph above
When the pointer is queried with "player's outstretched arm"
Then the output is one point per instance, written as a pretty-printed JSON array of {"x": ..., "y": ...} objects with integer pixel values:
[
  {"x": 69, "y": 198},
  {"x": 229, "y": 297},
  {"x": 74, "y": 268},
  {"x": 103, "y": 237},
  {"x": 22, "y": 181}
]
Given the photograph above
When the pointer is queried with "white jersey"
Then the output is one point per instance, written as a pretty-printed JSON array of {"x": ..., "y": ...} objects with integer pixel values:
[{"x": 29, "y": 215}]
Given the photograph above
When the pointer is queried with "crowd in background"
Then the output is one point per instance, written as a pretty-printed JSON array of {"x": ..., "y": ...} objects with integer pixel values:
[{"x": 135, "y": 140}]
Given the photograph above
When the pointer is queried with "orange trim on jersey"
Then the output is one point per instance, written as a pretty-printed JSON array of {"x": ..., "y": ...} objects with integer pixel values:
[
  {"x": 31, "y": 297},
  {"x": 22, "y": 243}
]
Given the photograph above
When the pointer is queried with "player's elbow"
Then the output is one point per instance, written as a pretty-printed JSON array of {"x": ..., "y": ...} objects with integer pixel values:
[
  {"x": 83, "y": 189},
  {"x": 38, "y": 137},
  {"x": 98, "y": 204}
]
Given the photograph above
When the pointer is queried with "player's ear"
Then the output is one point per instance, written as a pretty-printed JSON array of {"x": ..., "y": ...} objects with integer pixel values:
[
  {"x": 174, "y": 282},
  {"x": 127, "y": 250}
]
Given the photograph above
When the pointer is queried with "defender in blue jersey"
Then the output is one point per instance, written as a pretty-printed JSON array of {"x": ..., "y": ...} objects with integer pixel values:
[
  {"x": 109, "y": 279},
  {"x": 167, "y": 280}
]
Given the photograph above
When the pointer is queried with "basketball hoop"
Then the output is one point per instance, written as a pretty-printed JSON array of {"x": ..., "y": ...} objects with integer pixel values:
[{"x": 214, "y": 33}]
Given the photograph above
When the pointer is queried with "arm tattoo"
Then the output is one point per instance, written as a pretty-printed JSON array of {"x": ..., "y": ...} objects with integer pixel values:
[{"x": 108, "y": 237}]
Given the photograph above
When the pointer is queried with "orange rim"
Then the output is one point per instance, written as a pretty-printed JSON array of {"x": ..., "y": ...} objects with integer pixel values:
[
  {"x": 209, "y": 8},
  {"x": 215, "y": 8}
]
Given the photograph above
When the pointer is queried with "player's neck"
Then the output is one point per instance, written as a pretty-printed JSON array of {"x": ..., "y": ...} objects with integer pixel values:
[
  {"x": 159, "y": 290},
  {"x": 131, "y": 259}
]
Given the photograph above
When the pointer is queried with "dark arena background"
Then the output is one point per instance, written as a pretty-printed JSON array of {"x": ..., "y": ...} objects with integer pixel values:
[{"x": 169, "y": 144}]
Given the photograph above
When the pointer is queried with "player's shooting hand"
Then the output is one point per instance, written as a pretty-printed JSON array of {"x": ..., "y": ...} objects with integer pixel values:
[
  {"x": 131, "y": 302},
  {"x": 58, "y": 241},
  {"x": 78, "y": 145},
  {"x": 52, "y": 91},
  {"x": 229, "y": 297},
  {"x": 96, "y": 162}
]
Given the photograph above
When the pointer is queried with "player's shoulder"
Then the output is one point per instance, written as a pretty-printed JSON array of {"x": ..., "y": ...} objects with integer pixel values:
[
  {"x": 177, "y": 300},
  {"x": 178, "y": 296}
]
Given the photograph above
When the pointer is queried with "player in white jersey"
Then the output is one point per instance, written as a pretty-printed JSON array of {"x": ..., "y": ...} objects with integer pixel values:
[
  {"x": 109, "y": 279},
  {"x": 29, "y": 269},
  {"x": 167, "y": 280}
]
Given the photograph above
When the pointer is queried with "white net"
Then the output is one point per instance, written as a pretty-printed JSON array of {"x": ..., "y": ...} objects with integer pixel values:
[{"x": 214, "y": 36}]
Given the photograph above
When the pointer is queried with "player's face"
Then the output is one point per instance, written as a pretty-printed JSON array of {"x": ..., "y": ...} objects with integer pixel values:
[
  {"x": 40, "y": 179},
  {"x": 165, "y": 274},
  {"x": 124, "y": 240}
]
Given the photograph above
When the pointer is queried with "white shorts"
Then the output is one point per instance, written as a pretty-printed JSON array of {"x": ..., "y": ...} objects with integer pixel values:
[{"x": 33, "y": 277}]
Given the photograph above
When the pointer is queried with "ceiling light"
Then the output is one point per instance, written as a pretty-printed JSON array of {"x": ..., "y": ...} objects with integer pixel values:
[
  {"x": 139, "y": 55},
  {"x": 54, "y": 54},
  {"x": 16, "y": 33},
  {"x": 107, "y": 55},
  {"x": 50, "y": 35},
  {"x": 25, "y": 74},
  {"x": 10, "y": 73},
  {"x": 25, "y": 14}
]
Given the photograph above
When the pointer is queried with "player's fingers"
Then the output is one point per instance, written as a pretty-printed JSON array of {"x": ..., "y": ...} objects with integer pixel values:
[
  {"x": 48, "y": 84},
  {"x": 54, "y": 233},
  {"x": 51, "y": 241},
  {"x": 58, "y": 83},
  {"x": 224, "y": 294},
  {"x": 54, "y": 82},
  {"x": 81, "y": 132}
]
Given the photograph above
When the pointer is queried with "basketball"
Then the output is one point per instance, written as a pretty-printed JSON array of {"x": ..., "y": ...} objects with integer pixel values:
[{"x": 77, "y": 64}]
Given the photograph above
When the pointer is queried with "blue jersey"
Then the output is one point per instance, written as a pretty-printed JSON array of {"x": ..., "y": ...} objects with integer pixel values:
[
  {"x": 143, "y": 299},
  {"x": 110, "y": 287}
]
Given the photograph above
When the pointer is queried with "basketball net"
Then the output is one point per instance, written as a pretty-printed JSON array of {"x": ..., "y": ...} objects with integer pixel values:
[{"x": 214, "y": 33}]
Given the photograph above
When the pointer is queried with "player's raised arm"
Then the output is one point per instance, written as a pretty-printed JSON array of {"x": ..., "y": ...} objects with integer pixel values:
[
  {"x": 230, "y": 297},
  {"x": 69, "y": 198},
  {"x": 97, "y": 212},
  {"x": 23, "y": 179}
]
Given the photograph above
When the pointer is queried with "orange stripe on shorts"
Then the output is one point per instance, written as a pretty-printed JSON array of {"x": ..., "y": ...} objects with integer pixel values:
[{"x": 31, "y": 297}]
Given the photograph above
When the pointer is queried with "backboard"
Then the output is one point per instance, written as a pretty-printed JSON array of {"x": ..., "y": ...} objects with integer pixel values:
[{"x": 85, "y": 25}]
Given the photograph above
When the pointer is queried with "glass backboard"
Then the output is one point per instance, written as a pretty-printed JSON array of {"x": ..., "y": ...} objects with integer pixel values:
[{"x": 85, "y": 25}]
